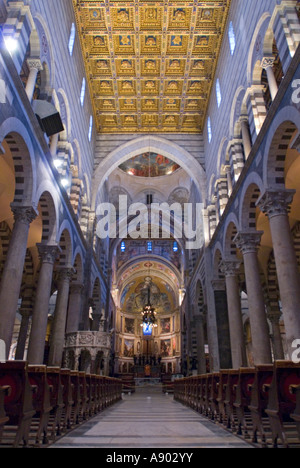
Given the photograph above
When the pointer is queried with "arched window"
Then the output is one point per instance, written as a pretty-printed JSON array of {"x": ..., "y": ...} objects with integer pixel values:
[
  {"x": 72, "y": 39},
  {"x": 209, "y": 129},
  {"x": 218, "y": 92},
  {"x": 232, "y": 40},
  {"x": 175, "y": 247},
  {"x": 82, "y": 93},
  {"x": 91, "y": 128},
  {"x": 123, "y": 247}
]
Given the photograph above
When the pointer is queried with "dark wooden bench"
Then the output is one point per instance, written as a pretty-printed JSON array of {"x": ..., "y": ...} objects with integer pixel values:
[
  {"x": 282, "y": 404},
  {"x": 230, "y": 397},
  {"x": 222, "y": 396},
  {"x": 84, "y": 396},
  {"x": 65, "y": 375},
  {"x": 213, "y": 396},
  {"x": 76, "y": 397},
  {"x": 41, "y": 403},
  {"x": 296, "y": 415},
  {"x": 243, "y": 401},
  {"x": 56, "y": 401},
  {"x": 4, "y": 392},
  {"x": 128, "y": 383},
  {"x": 18, "y": 403},
  {"x": 259, "y": 403}
]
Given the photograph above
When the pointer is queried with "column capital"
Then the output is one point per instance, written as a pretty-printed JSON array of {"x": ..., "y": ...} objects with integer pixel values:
[
  {"x": 64, "y": 274},
  {"x": 230, "y": 267},
  {"x": 276, "y": 202},
  {"x": 268, "y": 62},
  {"x": 218, "y": 284},
  {"x": 48, "y": 253},
  {"x": 34, "y": 64},
  {"x": 248, "y": 241},
  {"x": 76, "y": 288},
  {"x": 24, "y": 214}
]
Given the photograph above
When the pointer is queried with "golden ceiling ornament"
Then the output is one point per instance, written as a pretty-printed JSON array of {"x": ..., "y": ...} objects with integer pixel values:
[{"x": 151, "y": 66}]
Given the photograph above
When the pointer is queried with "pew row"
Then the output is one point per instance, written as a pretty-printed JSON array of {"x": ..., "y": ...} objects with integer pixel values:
[
  {"x": 38, "y": 404},
  {"x": 260, "y": 405}
]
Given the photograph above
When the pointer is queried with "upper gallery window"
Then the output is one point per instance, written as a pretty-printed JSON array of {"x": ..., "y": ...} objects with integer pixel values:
[
  {"x": 91, "y": 128},
  {"x": 218, "y": 91},
  {"x": 209, "y": 129},
  {"x": 72, "y": 39},
  {"x": 232, "y": 40},
  {"x": 82, "y": 93}
]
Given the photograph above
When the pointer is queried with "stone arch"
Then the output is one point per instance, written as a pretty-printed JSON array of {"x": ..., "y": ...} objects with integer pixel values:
[
  {"x": 256, "y": 47},
  {"x": 231, "y": 230},
  {"x": 279, "y": 138},
  {"x": 46, "y": 51},
  {"x": 48, "y": 214},
  {"x": 66, "y": 245},
  {"x": 238, "y": 108},
  {"x": 222, "y": 155},
  {"x": 253, "y": 189},
  {"x": 16, "y": 140},
  {"x": 78, "y": 263},
  {"x": 217, "y": 260},
  {"x": 145, "y": 144}
]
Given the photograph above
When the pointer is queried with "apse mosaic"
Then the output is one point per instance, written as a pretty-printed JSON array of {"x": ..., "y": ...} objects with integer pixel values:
[
  {"x": 149, "y": 165},
  {"x": 162, "y": 56}
]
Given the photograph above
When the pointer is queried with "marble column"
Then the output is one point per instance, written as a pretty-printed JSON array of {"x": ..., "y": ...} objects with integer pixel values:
[
  {"x": 248, "y": 243},
  {"x": 221, "y": 308},
  {"x": 247, "y": 143},
  {"x": 75, "y": 306},
  {"x": 267, "y": 64},
  {"x": 276, "y": 205},
  {"x": 26, "y": 312},
  {"x": 274, "y": 317},
  {"x": 36, "y": 349},
  {"x": 238, "y": 347},
  {"x": 13, "y": 272},
  {"x": 199, "y": 323},
  {"x": 229, "y": 180},
  {"x": 57, "y": 340},
  {"x": 35, "y": 65}
]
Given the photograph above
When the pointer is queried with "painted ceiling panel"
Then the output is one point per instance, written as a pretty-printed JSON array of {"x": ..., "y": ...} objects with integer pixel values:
[{"x": 151, "y": 64}]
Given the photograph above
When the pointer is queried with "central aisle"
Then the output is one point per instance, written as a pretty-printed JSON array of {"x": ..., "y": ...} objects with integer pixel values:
[{"x": 149, "y": 419}]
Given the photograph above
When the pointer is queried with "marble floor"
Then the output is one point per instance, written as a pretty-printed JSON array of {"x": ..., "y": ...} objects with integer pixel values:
[{"x": 149, "y": 419}]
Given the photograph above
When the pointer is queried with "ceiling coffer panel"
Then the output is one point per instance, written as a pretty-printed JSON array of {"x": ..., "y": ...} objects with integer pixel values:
[{"x": 151, "y": 65}]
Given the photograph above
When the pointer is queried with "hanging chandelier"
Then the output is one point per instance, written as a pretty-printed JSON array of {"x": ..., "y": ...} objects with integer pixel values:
[{"x": 149, "y": 320}]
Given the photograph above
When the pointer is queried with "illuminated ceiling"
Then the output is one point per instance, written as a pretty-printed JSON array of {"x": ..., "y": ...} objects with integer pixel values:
[
  {"x": 151, "y": 64},
  {"x": 149, "y": 165}
]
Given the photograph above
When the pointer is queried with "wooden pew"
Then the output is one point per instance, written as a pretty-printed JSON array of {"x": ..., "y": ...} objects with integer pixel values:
[
  {"x": 230, "y": 397},
  {"x": 282, "y": 404},
  {"x": 213, "y": 396},
  {"x": 4, "y": 392},
  {"x": 65, "y": 375},
  {"x": 296, "y": 415},
  {"x": 76, "y": 397},
  {"x": 222, "y": 396},
  {"x": 83, "y": 396},
  {"x": 243, "y": 401},
  {"x": 259, "y": 404},
  {"x": 41, "y": 403},
  {"x": 18, "y": 403},
  {"x": 56, "y": 401}
]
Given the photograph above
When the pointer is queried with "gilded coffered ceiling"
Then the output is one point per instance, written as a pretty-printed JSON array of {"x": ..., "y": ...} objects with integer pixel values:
[{"x": 151, "y": 64}]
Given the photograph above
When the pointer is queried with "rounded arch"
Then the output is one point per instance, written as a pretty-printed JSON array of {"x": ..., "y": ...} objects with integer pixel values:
[
  {"x": 279, "y": 138},
  {"x": 65, "y": 111},
  {"x": 143, "y": 145},
  {"x": 217, "y": 261},
  {"x": 65, "y": 244},
  {"x": 253, "y": 188},
  {"x": 257, "y": 44},
  {"x": 46, "y": 49},
  {"x": 231, "y": 229},
  {"x": 48, "y": 215},
  {"x": 78, "y": 266},
  {"x": 222, "y": 155},
  {"x": 238, "y": 108},
  {"x": 18, "y": 141}
]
